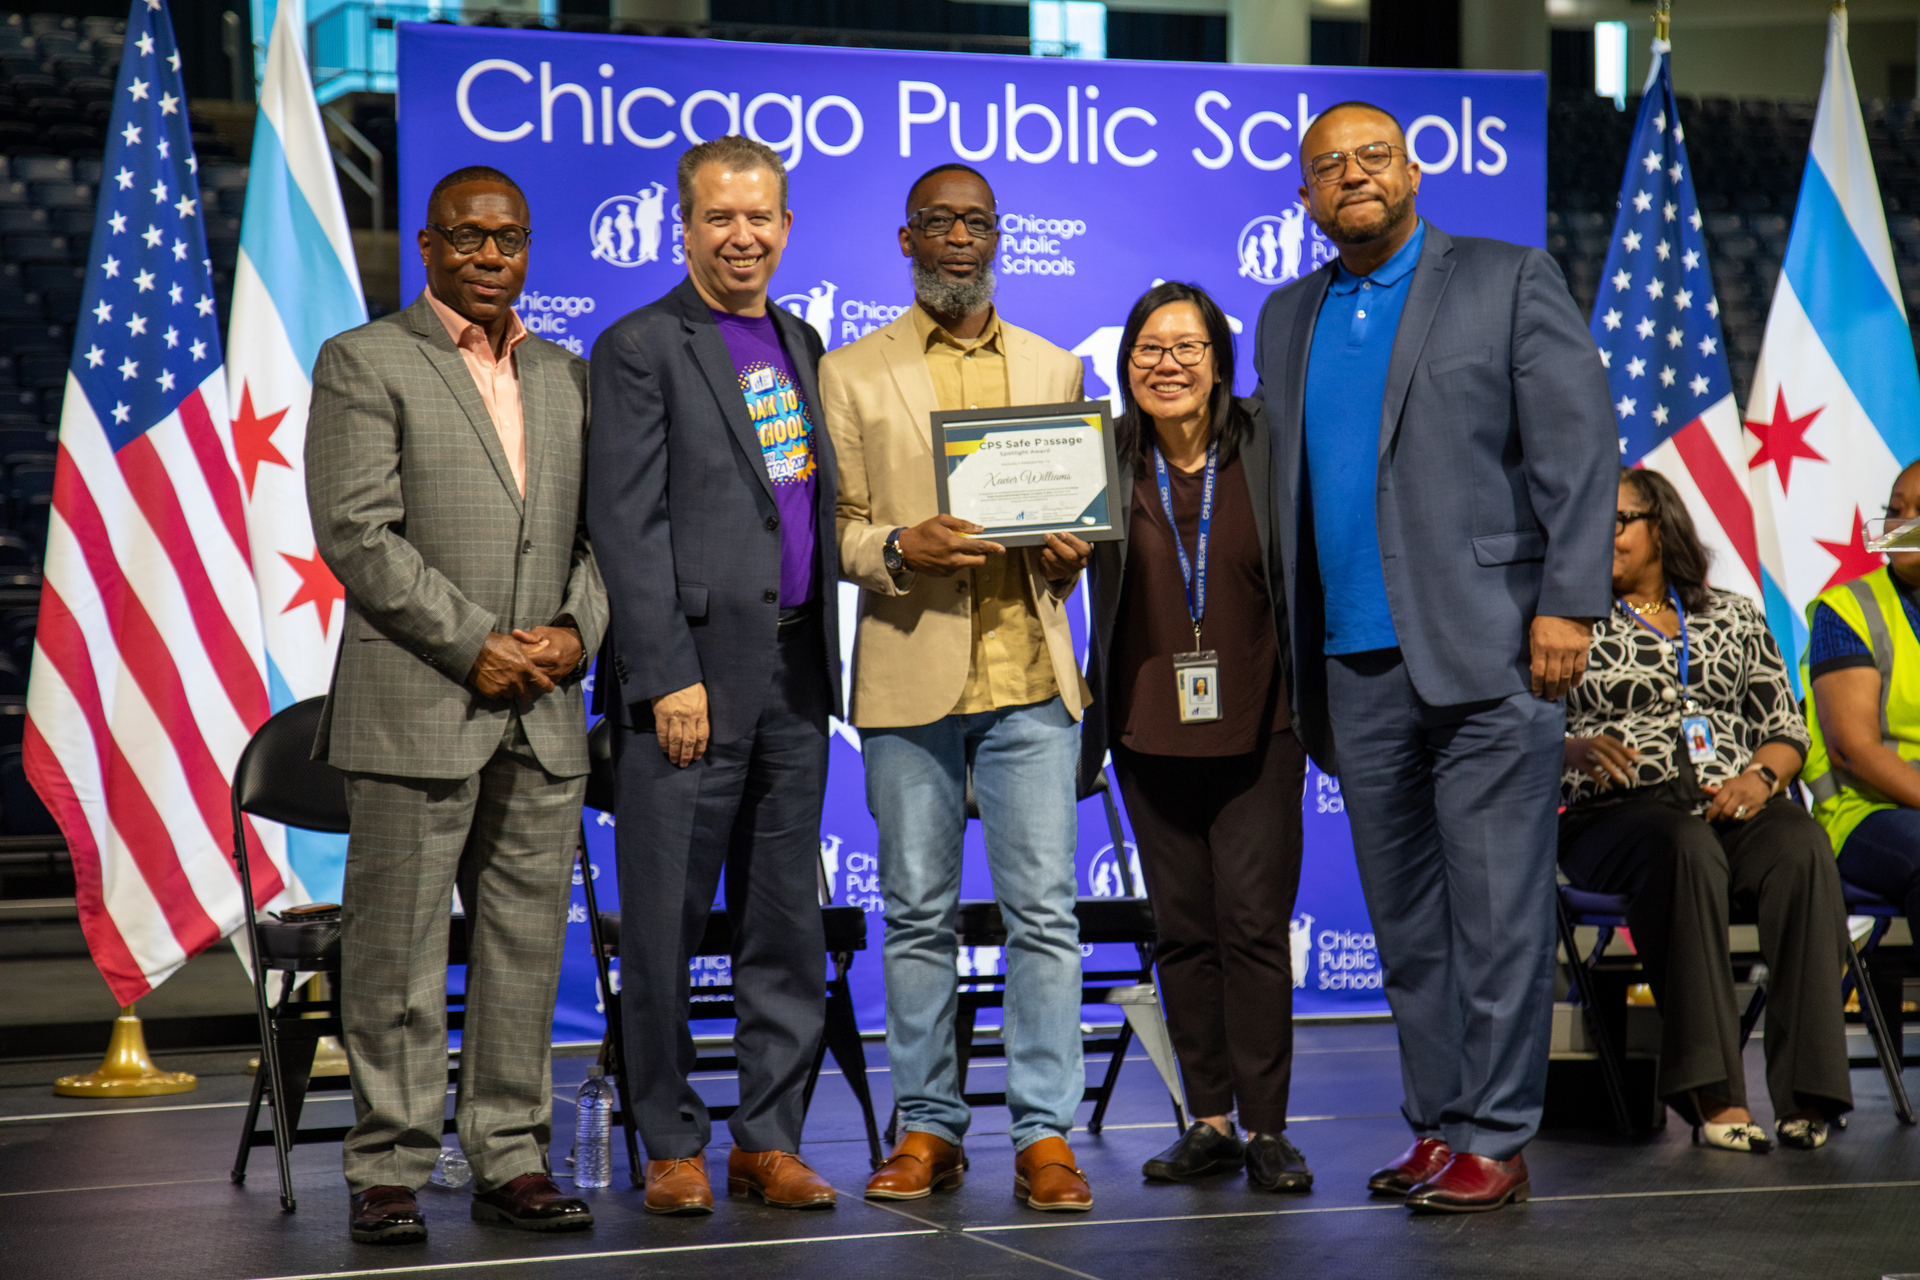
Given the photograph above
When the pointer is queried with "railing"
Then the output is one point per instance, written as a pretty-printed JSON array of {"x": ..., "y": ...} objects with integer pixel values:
[{"x": 351, "y": 47}]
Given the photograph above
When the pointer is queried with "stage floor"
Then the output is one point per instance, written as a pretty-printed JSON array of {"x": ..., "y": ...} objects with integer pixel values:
[{"x": 140, "y": 1189}]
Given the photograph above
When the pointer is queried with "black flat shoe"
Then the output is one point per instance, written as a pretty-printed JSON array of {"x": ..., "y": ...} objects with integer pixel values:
[
  {"x": 1202, "y": 1150},
  {"x": 1274, "y": 1164}
]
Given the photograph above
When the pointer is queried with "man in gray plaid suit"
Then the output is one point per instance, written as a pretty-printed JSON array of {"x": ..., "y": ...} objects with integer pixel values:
[{"x": 445, "y": 471}]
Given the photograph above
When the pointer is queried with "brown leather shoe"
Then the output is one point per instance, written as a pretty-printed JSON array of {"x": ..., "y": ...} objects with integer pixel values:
[
  {"x": 1426, "y": 1157},
  {"x": 385, "y": 1215},
  {"x": 532, "y": 1203},
  {"x": 679, "y": 1187},
  {"x": 780, "y": 1178},
  {"x": 1046, "y": 1178},
  {"x": 922, "y": 1164},
  {"x": 1472, "y": 1184}
]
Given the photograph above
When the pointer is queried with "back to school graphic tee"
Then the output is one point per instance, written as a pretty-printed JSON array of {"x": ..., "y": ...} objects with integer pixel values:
[{"x": 779, "y": 415}]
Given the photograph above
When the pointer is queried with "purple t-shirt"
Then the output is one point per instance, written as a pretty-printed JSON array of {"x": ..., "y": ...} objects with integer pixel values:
[{"x": 779, "y": 414}]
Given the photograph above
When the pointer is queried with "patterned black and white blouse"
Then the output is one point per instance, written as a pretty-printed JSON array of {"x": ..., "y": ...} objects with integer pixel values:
[{"x": 1735, "y": 674}]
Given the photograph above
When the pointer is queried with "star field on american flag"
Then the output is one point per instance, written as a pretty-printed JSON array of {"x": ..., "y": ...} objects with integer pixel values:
[
  {"x": 1655, "y": 317},
  {"x": 149, "y": 333}
]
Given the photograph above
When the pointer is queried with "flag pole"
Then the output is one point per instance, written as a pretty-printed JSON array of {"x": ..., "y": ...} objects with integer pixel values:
[
  {"x": 1662, "y": 18},
  {"x": 126, "y": 1071}
]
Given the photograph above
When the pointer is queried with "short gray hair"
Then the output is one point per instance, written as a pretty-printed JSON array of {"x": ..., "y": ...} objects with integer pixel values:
[{"x": 731, "y": 149}]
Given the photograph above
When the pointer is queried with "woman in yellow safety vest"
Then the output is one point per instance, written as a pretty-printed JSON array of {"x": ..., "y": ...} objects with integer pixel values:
[{"x": 1863, "y": 666}]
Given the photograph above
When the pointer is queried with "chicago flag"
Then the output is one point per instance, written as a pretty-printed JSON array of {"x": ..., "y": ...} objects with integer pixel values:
[
  {"x": 1835, "y": 408},
  {"x": 296, "y": 286}
]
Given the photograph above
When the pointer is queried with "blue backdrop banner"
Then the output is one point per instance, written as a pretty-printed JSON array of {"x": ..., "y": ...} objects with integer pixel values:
[{"x": 1110, "y": 176}]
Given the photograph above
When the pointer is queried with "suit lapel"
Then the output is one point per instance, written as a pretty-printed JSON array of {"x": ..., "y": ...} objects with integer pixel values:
[
  {"x": 533, "y": 416},
  {"x": 440, "y": 352},
  {"x": 908, "y": 364},
  {"x": 1254, "y": 456},
  {"x": 1429, "y": 282},
  {"x": 794, "y": 333},
  {"x": 710, "y": 352},
  {"x": 1288, "y": 429},
  {"x": 1023, "y": 370}
]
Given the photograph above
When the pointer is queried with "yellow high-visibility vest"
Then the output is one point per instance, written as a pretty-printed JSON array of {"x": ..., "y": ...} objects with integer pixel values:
[{"x": 1871, "y": 606}]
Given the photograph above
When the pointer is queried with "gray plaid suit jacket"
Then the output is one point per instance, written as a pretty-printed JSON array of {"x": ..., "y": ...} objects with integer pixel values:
[{"x": 416, "y": 512}]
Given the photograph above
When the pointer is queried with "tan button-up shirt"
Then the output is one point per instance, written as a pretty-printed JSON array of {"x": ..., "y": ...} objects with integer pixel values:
[
  {"x": 497, "y": 380},
  {"x": 1011, "y": 666}
]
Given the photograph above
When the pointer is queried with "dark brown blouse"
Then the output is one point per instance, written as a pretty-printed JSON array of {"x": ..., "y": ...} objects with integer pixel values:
[{"x": 1154, "y": 623}]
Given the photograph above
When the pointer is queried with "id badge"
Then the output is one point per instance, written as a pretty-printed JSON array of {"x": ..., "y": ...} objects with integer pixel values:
[
  {"x": 1196, "y": 677},
  {"x": 760, "y": 381},
  {"x": 1698, "y": 735}
]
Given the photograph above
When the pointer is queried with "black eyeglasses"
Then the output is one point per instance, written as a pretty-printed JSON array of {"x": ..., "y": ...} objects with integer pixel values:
[
  {"x": 1187, "y": 354},
  {"x": 1331, "y": 166},
  {"x": 937, "y": 222},
  {"x": 467, "y": 238},
  {"x": 1621, "y": 519}
]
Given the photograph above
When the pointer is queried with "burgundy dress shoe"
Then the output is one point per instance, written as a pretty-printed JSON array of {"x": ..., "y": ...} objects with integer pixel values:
[
  {"x": 532, "y": 1203},
  {"x": 1472, "y": 1184},
  {"x": 385, "y": 1215},
  {"x": 1426, "y": 1157}
]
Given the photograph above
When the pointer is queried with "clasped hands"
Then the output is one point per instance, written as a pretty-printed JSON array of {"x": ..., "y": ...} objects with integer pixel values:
[
  {"x": 521, "y": 666},
  {"x": 1610, "y": 760},
  {"x": 944, "y": 545}
]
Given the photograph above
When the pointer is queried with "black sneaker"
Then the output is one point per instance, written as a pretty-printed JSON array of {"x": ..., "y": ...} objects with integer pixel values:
[
  {"x": 1274, "y": 1164},
  {"x": 1202, "y": 1150}
]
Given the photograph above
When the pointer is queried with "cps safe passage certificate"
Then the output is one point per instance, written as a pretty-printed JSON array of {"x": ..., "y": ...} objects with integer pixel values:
[{"x": 1022, "y": 473}]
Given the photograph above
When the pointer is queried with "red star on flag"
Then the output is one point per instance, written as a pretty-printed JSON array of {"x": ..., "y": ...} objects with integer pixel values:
[
  {"x": 318, "y": 587},
  {"x": 1783, "y": 439},
  {"x": 253, "y": 438},
  {"x": 1855, "y": 560}
]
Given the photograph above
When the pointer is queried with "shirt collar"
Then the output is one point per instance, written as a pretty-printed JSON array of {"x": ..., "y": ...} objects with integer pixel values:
[
  {"x": 1389, "y": 273},
  {"x": 465, "y": 333},
  {"x": 931, "y": 331}
]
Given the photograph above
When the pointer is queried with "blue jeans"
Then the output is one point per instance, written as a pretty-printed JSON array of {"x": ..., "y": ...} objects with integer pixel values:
[
  {"x": 1882, "y": 855},
  {"x": 1023, "y": 776}
]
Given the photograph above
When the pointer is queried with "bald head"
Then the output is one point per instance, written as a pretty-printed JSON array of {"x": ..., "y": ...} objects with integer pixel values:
[{"x": 1392, "y": 132}]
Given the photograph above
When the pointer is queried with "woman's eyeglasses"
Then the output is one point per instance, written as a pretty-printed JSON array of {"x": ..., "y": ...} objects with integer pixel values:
[
  {"x": 1186, "y": 354},
  {"x": 1621, "y": 519}
]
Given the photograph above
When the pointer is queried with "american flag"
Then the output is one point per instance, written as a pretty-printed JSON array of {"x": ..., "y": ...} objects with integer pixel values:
[
  {"x": 1658, "y": 327},
  {"x": 148, "y": 673}
]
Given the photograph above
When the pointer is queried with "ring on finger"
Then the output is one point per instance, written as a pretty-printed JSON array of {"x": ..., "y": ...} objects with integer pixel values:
[{"x": 1740, "y": 812}]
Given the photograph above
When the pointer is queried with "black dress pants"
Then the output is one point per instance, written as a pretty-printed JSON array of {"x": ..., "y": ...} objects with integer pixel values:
[
  {"x": 1219, "y": 842},
  {"x": 1684, "y": 876},
  {"x": 750, "y": 806}
]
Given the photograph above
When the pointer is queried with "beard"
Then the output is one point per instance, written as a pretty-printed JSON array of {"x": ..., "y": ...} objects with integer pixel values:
[
  {"x": 1395, "y": 215},
  {"x": 953, "y": 297}
]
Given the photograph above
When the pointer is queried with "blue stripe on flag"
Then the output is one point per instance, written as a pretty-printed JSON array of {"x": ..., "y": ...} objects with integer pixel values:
[
  {"x": 1788, "y": 627},
  {"x": 1858, "y": 321},
  {"x": 291, "y": 254},
  {"x": 279, "y": 692}
]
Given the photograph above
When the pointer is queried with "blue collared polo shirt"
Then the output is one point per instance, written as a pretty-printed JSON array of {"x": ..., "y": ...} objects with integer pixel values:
[{"x": 1346, "y": 384}]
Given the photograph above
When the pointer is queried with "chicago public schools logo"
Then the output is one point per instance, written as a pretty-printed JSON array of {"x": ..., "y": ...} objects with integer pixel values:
[
  {"x": 815, "y": 306},
  {"x": 625, "y": 230},
  {"x": 1274, "y": 249},
  {"x": 1103, "y": 873}
]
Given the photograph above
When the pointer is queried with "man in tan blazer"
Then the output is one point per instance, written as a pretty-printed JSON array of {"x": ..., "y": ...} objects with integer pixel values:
[{"x": 962, "y": 659}]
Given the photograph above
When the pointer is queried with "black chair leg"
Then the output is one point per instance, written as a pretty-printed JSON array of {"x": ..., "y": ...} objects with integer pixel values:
[
  {"x": 1751, "y": 1018},
  {"x": 1122, "y": 1042},
  {"x": 842, "y": 1039},
  {"x": 239, "y": 1174},
  {"x": 1889, "y": 1051},
  {"x": 1612, "y": 1073}
]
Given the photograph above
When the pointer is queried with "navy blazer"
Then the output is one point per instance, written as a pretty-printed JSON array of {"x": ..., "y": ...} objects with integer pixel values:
[
  {"x": 1498, "y": 470},
  {"x": 677, "y": 486},
  {"x": 1106, "y": 581}
]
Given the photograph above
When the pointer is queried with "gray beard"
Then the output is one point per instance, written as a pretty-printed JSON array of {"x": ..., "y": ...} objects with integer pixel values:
[{"x": 953, "y": 297}]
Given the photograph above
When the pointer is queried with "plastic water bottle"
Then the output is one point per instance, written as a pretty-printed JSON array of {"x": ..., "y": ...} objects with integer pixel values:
[
  {"x": 451, "y": 1169},
  {"x": 593, "y": 1132}
]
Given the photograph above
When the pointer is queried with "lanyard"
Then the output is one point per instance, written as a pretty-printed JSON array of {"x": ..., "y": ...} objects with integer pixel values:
[
  {"x": 1681, "y": 614},
  {"x": 1194, "y": 576}
]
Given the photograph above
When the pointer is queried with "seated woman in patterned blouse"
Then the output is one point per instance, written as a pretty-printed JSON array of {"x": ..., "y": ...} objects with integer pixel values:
[{"x": 1680, "y": 741}]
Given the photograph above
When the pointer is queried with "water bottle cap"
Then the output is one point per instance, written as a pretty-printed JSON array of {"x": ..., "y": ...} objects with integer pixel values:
[{"x": 596, "y": 1073}]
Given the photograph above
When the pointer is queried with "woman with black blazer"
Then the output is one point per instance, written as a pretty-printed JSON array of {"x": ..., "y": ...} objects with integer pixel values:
[{"x": 1188, "y": 668}]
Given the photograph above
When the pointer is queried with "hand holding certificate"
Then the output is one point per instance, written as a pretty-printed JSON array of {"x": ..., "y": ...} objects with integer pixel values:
[{"x": 1023, "y": 473}]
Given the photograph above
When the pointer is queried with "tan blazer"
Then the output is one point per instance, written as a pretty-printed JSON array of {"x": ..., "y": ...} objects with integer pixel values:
[{"x": 913, "y": 647}]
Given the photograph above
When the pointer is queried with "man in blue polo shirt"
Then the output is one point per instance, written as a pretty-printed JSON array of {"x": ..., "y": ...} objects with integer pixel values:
[{"x": 1446, "y": 458}]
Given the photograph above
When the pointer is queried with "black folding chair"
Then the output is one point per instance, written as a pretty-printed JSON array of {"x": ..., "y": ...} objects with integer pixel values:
[
  {"x": 278, "y": 780},
  {"x": 846, "y": 933}
]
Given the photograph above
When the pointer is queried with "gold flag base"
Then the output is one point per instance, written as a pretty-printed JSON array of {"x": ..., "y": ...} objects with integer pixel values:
[
  {"x": 329, "y": 1059},
  {"x": 126, "y": 1071}
]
